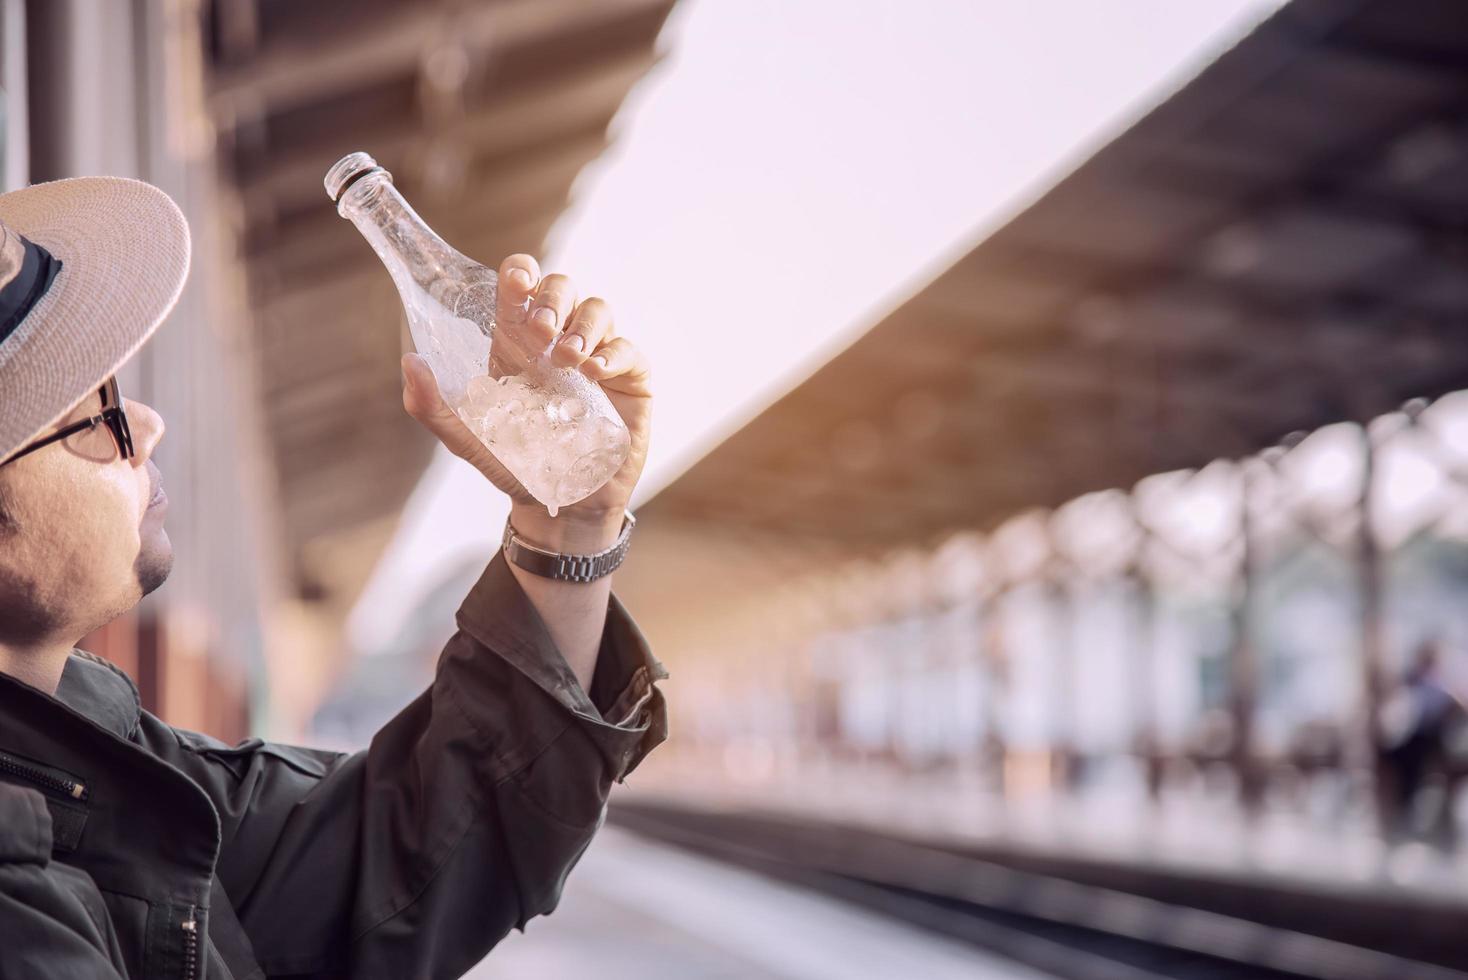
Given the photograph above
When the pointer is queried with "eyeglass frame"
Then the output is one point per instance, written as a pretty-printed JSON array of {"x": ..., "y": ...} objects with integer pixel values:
[{"x": 113, "y": 415}]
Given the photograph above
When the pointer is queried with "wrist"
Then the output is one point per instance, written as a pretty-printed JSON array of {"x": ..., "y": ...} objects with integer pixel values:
[{"x": 570, "y": 532}]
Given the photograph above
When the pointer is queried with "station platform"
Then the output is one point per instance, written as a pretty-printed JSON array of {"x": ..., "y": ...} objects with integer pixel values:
[
  {"x": 1078, "y": 918},
  {"x": 639, "y": 910},
  {"x": 862, "y": 872},
  {"x": 1318, "y": 842}
]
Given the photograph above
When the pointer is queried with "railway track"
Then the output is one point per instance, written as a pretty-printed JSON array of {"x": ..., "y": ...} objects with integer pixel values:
[{"x": 1063, "y": 927}]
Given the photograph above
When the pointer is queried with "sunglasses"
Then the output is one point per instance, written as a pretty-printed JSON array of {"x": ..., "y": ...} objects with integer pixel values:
[{"x": 112, "y": 416}]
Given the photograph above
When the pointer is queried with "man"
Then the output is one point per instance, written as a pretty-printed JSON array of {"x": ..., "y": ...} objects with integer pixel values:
[{"x": 130, "y": 849}]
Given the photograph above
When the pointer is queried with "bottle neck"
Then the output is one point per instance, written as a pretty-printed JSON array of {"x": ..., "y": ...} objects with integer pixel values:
[{"x": 412, "y": 251}]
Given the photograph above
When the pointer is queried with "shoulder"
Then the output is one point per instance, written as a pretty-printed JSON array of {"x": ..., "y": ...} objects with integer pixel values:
[{"x": 206, "y": 758}]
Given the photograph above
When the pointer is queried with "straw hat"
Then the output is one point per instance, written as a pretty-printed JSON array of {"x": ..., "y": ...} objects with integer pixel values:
[{"x": 124, "y": 249}]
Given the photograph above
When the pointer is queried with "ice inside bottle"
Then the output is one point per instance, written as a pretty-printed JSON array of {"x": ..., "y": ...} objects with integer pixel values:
[{"x": 552, "y": 427}]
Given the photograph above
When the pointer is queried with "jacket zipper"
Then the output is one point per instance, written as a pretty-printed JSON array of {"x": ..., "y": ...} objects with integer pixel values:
[
  {"x": 190, "y": 927},
  {"x": 66, "y": 787}
]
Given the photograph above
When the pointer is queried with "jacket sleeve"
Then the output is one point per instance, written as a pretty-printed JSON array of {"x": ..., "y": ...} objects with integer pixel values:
[
  {"x": 52, "y": 922},
  {"x": 461, "y": 820}
]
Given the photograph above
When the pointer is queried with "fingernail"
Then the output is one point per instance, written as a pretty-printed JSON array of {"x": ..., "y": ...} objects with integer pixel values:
[
  {"x": 600, "y": 359},
  {"x": 546, "y": 317},
  {"x": 573, "y": 341},
  {"x": 520, "y": 278}
]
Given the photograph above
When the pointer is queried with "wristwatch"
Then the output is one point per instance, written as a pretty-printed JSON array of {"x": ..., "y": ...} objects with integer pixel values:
[{"x": 568, "y": 568}]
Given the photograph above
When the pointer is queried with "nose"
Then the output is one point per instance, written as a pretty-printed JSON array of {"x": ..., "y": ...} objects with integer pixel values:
[{"x": 147, "y": 428}]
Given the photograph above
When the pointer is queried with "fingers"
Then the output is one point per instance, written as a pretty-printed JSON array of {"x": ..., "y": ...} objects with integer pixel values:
[
  {"x": 518, "y": 277},
  {"x": 589, "y": 326},
  {"x": 550, "y": 308},
  {"x": 533, "y": 312},
  {"x": 620, "y": 366}
]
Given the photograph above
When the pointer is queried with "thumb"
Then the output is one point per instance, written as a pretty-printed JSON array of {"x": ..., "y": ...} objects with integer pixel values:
[{"x": 425, "y": 403}]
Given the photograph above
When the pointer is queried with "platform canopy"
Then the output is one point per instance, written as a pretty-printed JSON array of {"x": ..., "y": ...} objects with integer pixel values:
[{"x": 1281, "y": 244}]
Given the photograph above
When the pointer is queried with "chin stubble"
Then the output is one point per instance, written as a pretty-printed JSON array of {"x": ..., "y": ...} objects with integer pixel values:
[{"x": 152, "y": 569}]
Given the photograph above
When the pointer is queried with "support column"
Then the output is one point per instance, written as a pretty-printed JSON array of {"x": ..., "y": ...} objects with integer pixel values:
[
  {"x": 1243, "y": 660},
  {"x": 1064, "y": 753},
  {"x": 995, "y": 651},
  {"x": 1146, "y": 740},
  {"x": 1373, "y": 641}
]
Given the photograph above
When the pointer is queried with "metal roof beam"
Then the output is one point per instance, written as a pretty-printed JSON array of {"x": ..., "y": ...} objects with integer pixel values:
[
  {"x": 298, "y": 69},
  {"x": 509, "y": 201},
  {"x": 563, "y": 103}
]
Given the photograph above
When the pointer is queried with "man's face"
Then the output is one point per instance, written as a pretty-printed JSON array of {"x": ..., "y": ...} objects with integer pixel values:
[{"x": 81, "y": 529}]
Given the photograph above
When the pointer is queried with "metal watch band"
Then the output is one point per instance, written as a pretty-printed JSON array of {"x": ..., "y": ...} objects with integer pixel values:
[{"x": 568, "y": 568}]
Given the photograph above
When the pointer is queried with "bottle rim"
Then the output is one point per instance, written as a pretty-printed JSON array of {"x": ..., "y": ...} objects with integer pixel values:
[{"x": 348, "y": 171}]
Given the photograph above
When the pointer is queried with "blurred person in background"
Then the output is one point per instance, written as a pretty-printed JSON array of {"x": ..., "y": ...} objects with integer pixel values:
[
  {"x": 1418, "y": 722},
  {"x": 130, "y": 849}
]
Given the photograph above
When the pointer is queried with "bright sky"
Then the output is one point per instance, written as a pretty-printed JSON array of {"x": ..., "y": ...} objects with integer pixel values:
[{"x": 791, "y": 173}]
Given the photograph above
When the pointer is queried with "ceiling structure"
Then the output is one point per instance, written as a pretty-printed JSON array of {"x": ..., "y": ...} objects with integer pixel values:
[
  {"x": 1281, "y": 244},
  {"x": 484, "y": 112}
]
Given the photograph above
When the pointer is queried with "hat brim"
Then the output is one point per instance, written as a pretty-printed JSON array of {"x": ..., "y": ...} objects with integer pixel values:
[{"x": 124, "y": 251}]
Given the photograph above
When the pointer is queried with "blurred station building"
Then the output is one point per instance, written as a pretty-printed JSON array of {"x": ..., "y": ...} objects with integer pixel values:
[
  {"x": 1158, "y": 494},
  {"x": 1129, "y": 552}
]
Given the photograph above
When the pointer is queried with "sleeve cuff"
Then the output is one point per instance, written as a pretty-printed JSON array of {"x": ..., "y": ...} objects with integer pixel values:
[{"x": 623, "y": 712}]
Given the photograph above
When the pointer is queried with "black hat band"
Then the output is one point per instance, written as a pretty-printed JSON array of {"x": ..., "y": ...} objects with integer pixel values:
[{"x": 17, "y": 297}]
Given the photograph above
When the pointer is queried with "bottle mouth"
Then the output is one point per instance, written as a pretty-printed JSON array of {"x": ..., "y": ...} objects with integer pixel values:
[{"x": 347, "y": 171}]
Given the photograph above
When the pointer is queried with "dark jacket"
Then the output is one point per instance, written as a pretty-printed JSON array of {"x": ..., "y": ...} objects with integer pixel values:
[{"x": 129, "y": 848}]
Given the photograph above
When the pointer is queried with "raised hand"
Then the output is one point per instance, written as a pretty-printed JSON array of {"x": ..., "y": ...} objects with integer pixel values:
[{"x": 532, "y": 313}]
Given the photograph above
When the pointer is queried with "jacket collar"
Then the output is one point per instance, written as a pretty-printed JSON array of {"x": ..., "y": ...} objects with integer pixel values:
[
  {"x": 100, "y": 692},
  {"x": 151, "y": 831}
]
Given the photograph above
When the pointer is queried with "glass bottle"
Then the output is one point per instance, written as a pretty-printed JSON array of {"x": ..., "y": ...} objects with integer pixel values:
[{"x": 552, "y": 427}]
